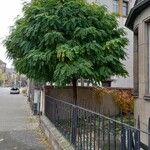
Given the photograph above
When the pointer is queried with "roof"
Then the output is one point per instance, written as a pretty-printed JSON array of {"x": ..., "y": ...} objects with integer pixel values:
[
  {"x": 139, "y": 6},
  {"x": 137, "y": 1}
]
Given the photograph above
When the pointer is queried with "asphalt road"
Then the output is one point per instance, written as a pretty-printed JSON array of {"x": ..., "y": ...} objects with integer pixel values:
[{"x": 18, "y": 127}]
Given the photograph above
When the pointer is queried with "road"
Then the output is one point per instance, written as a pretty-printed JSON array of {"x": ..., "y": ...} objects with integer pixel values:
[{"x": 18, "y": 127}]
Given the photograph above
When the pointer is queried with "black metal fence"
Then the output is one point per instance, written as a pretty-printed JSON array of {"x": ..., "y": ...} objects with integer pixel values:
[{"x": 88, "y": 130}]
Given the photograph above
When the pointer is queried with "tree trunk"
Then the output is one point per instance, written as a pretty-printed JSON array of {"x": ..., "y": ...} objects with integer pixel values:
[
  {"x": 74, "y": 114},
  {"x": 74, "y": 83}
]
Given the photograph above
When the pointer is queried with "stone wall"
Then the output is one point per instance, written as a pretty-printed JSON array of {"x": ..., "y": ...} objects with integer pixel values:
[
  {"x": 142, "y": 60},
  {"x": 55, "y": 138}
]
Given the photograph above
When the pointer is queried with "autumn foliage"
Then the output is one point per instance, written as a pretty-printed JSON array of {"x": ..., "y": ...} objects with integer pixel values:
[{"x": 122, "y": 98}]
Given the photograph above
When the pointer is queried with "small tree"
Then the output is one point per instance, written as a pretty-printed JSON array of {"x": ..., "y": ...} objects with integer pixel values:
[{"x": 63, "y": 40}]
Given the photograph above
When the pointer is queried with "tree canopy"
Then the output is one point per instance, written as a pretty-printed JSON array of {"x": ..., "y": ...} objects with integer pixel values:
[{"x": 61, "y": 40}]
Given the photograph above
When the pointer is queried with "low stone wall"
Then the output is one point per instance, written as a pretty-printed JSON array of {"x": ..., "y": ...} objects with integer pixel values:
[
  {"x": 56, "y": 139},
  {"x": 86, "y": 98}
]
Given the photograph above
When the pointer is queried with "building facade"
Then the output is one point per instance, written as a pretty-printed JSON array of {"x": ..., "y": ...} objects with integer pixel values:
[
  {"x": 139, "y": 22},
  {"x": 3, "y": 66},
  {"x": 122, "y": 8}
]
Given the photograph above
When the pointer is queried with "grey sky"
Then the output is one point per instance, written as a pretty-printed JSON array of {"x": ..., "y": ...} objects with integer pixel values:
[{"x": 9, "y": 10}]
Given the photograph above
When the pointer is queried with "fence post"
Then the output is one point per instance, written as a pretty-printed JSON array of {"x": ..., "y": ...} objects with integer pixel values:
[
  {"x": 74, "y": 125},
  {"x": 123, "y": 137},
  {"x": 129, "y": 139},
  {"x": 137, "y": 135},
  {"x": 149, "y": 134}
]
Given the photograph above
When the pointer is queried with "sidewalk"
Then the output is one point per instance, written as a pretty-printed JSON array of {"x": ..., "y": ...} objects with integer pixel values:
[{"x": 19, "y": 129}]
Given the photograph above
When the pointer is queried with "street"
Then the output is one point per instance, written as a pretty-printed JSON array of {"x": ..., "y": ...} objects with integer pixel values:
[{"x": 18, "y": 127}]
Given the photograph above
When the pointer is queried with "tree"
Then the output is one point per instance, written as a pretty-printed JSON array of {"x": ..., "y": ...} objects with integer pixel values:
[{"x": 63, "y": 40}]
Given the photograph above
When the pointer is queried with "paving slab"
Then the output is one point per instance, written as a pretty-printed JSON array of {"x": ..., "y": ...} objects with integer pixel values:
[{"x": 19, "y": 128}]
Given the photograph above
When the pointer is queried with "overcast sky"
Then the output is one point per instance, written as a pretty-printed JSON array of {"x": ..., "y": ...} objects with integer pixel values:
[{"x": 9, "y": 10}]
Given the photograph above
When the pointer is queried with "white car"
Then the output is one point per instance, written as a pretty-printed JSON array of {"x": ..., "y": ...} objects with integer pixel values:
[{"x": 14, "y": 90}]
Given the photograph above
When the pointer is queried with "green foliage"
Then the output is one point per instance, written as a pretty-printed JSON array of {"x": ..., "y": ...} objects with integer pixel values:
[{"x": 57, "y": 40}]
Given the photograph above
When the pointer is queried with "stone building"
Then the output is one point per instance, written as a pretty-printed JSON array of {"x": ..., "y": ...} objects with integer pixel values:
[
  {"x": 139, "y": 22},
  {"x": 2, "y": 66},
  {"x": 122, "y": 7}
]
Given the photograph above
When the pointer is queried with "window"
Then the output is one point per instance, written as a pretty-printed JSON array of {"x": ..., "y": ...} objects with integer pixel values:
[
  {"x": 149, "y": 54},
  {"x": 120, "y": 7},
  {"x": 136, "y": 63},
  {"x": 115, "y": 6},
  {"x": 125, "y": 8}
]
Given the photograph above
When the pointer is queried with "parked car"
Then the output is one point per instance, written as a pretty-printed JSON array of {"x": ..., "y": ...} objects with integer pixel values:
[{"x": 14, "y": 90}]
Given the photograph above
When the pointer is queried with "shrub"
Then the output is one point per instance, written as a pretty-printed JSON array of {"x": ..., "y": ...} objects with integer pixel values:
[{"x": 122, "y": 98}]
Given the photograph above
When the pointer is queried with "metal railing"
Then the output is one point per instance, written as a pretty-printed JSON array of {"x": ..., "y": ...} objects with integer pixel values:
[{"x": 88, "y": 130}]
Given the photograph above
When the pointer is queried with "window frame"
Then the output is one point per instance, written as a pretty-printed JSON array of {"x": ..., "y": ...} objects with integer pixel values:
[
  {"x": 116, "y": 6},
  {"x": 136, "y": 62},
  {"x": 146, "y": 22},
  {"x": 127, "y": 8},
  {"x": 148, "y": 48}
]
